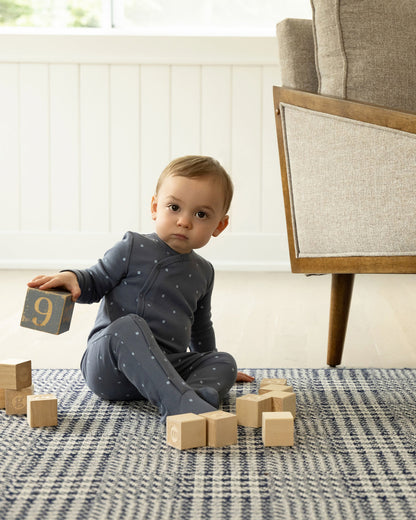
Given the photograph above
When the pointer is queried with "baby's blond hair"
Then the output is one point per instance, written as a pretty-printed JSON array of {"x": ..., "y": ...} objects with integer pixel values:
[{"x": 193, "y": 166}]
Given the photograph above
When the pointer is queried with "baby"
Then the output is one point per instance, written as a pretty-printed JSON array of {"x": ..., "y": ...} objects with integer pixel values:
[{"x": 153, "y": 337}]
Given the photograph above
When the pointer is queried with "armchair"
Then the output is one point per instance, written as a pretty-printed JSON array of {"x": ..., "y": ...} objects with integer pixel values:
[{"x": 346, "y": 130}]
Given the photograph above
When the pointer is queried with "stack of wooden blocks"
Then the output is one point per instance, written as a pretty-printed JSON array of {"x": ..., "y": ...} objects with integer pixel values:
[
  {"x": 17, "y": 394},
  {"x": 47, "y": 311},
  {"x": 273, "y": 409}
]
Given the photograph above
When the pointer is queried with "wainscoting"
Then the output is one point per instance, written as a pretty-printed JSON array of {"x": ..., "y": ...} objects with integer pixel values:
[{"x": 89, "y": 121}]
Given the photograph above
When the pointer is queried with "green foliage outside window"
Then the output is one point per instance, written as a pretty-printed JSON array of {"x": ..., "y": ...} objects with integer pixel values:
[
  {"x": 82, "y": 15},
  {"x": 51, "y": 13},
  {"x": 12, "y": 11}
]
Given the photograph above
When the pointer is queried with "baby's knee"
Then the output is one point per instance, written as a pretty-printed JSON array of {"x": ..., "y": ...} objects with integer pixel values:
[
  {"x": 227, "y": 359},
  {"x": 228, "y": 365}
]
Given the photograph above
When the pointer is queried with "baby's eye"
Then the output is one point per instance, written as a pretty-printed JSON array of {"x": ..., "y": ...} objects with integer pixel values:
[
  {"x": 201, "y": 214},
  {"x": 173, "y": 207}
]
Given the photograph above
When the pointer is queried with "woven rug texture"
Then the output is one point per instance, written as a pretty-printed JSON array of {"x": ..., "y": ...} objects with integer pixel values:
[{"x": 354, "y": 456}]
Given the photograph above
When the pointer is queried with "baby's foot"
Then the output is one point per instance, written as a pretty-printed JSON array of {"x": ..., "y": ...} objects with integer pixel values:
[
  {"x": 210, "y": 395},
  {"x": 189, "y": 402}
]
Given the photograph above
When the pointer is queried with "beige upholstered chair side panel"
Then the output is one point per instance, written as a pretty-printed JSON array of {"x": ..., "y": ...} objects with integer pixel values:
[
  {"x": 349, "y": 182},
  {"x": 358, "y": 176}
]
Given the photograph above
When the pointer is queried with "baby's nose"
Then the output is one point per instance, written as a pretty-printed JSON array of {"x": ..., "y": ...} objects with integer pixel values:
[{"x": 184, "y": 221}]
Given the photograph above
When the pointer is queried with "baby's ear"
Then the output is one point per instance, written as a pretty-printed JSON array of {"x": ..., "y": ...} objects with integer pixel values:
[
  {"x": 153, "y": 207},
  {"x": 221, "y": 226}
]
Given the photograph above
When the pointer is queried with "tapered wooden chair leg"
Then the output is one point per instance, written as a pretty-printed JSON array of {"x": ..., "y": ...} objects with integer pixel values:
[{"x": 341, "y": 293}]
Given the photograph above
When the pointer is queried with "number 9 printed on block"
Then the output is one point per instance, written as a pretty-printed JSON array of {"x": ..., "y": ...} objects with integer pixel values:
[{"x": 48, "y": 311}]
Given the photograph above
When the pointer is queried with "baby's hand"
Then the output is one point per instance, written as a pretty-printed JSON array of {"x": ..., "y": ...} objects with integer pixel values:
[
  {"x": 244, "y": 378},
  {"x": 66, "y": 279}
]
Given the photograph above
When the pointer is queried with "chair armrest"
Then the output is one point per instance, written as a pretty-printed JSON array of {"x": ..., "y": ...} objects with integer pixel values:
[{"x": 349, "y": 182}]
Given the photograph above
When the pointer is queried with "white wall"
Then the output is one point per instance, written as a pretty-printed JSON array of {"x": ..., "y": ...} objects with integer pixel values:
[{"x": 89, "y": 121}]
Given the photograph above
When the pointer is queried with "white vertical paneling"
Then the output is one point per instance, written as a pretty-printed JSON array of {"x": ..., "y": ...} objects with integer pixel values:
[
  {"x": 125, "y": 143},
  {"x": 86, "y": 133},
  {"x": 155, "y": 135},
  {"x": 64, "y": 156},
  {"x": 9, "y": 139},
  {"x": 247, "y": 148},
  {"x": 34, "y": 143},
  {"x": 216, "y": 113},
  {"x": 273, "y": 220},
  {"x": 94, "y": 135},
  {"x": 186, "y": 110}
]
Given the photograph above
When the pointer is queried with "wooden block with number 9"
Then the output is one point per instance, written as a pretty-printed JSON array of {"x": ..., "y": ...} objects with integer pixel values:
[{"x": 48, "y": 311}]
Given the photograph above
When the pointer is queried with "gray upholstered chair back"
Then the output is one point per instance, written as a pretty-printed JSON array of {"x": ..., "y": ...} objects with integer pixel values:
[{"x": 297, "y": 54}]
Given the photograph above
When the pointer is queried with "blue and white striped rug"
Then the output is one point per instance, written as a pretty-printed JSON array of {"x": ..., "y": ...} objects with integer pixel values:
[{"x": 354, "y": 456}]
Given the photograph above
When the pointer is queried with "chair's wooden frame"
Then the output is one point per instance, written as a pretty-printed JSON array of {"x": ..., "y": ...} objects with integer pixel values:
[{"x": 343, "y": 269}]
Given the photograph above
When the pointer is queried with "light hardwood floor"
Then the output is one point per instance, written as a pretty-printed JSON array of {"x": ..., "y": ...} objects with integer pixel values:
[{"x": 266, "y": 320}]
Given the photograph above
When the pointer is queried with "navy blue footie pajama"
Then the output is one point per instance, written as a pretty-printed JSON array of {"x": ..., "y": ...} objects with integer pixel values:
[{"x": 153, "y": 337}]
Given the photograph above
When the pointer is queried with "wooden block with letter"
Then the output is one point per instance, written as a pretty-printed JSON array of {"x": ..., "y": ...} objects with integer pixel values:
[
  {"x": 185, "y": 431},
  {"x": 278, "y": 429},
  {"x": 221, "y": 428},
  {"x": 48, "y": 311},
  {"x": 250, "y": 408},
  {"x": 42, "y": 410},
  {"x": 15, "y": 374},
  {"x": 16, "y": 400},
  {"x": 2, "y": 399}
]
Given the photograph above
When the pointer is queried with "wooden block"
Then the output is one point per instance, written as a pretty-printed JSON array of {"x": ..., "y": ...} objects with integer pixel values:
[
  {"x": 221, "y": 428},
  {"x": 48, "y": 311},
  {"x": 250, "y": 407},
  {"x": 2, "y": 399},
  {"x": 283, "y": 402},
  {"x": 274, "y": 387},
  {"x": 42, "y": 410},
  {"x": 16, "y": 400},
  {"x": 271, "y": 381},
  {"x": 15, "y": 374},
  {"x": 278, "y": 429},
  {"x": 185, "y": 431}
]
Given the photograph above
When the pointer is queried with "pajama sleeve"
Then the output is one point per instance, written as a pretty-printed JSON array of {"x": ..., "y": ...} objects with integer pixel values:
[
  {"x": 98, "y": 280},
  {"x": 203, "y": 336}
]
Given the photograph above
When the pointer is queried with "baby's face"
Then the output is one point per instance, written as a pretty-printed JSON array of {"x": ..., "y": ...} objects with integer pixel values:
[{"x": 188, "y": 211}]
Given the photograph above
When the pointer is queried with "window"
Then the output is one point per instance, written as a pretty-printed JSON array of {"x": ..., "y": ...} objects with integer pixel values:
[{"x": 155, "y": 16}]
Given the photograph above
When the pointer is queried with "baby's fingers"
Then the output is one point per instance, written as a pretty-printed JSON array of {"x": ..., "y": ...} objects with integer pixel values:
[
  {"x": 45, "y": 282},
  {"x": 66, "y": 280},
  {"x": 50, "y": 284},
  {"x": 38, "y": 281}
]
